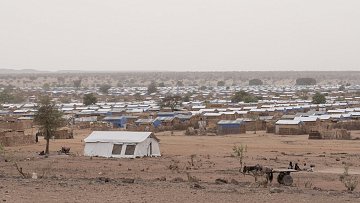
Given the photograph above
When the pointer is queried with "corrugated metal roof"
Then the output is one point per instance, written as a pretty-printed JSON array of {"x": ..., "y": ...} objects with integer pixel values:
[
  {"x": 212, "y": 114},
  {"x": 228, "y": 122},
  {"x": 145, "y": 120},
  {"x": 288, "y": 117},
  {"x": 109, "y": 118},
  {"x": 165, "y": 119},
  {"x": 305, "y": 119},
  {"x": 242, "y": 112},
  {"x": 183, "y": 117},
  {"x": 118, "y": 136},
  {"x": 322, "y": 117},
  {"x": 166, "y": 113},
  {"x": 288, "y": 122},
  {"x": 265, "y": 118}
]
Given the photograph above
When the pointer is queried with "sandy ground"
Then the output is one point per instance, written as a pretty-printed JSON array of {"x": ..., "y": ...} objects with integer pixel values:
[{"x": 75, "y": 178}]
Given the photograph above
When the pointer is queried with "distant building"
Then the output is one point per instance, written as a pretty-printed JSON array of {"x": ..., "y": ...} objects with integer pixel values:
[
  {"x": 289, "y": 127},
  {"x": 230, "y": 127},
  {"x": 116, "y": 121}
]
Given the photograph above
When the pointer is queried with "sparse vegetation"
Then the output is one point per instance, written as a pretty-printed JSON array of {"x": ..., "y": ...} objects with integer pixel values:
[
  {"x": 89, "y": 99},
  {"x": 341, "y": 88},
  {"x": 46, "y": 86},
  {"x": 21, "y": 172},
  {"x": 220, "y": 83},
  {"x": 2, "y": 150},
  {"x": 179, "y": 83},
  {"x": 305, "y": 81},
  {"x": 152, "y": 88},
  {"x": 186, "y": 98},
  {"x": 10, "y": 95},
  {"x": 254, "y": 82},
  {"x": 171, "y": 101},
  {"x": 350, "y": 182},
  {"x": 308, "y": 184},
  {"x": 239, "y": 152},
  {"x": 319, "y": 98},
  {"x": 77, "y": 83},
  {"x": 174, "y": 166},
  {"x": 162, "y": 84},
  {"x": 191, "y": 179},
  {"x": 105, "y": 88},
  {"x": 243, "y": 96},
  {"x": 48, "y": 118}
]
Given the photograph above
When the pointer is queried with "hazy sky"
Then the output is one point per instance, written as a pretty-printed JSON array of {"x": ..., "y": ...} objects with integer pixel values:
[{"x": 180, "y": 35}]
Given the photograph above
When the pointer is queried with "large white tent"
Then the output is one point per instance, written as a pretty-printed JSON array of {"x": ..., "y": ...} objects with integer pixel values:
[{"x": 121, "y": 144}]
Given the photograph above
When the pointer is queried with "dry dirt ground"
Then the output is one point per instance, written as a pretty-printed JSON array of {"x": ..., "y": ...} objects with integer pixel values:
[{"x": 75, "y": 178}]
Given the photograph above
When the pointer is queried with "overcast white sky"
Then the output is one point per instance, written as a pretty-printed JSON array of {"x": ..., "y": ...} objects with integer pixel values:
[{"x": 180, "y": 35}]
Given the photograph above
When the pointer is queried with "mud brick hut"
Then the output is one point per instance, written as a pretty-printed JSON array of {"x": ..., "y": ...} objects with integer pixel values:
[
  {"x": 168, "y": 121},
  {"x": 11, "y": 138},
  {"x": 289, "y": 127},
  {"x": 64, "y": 133},
  {"x": 341, "y": 134},
  {"x": 145, "y": 125},
  {"x": 131, "y": 119},
  {"x": 253, "y": 124},
  {"x": 15, "y": 124},
  {"x": 270, "y": 127},
  {"x": 310, "y": 123},
  {"x": 211, "y": 119}
]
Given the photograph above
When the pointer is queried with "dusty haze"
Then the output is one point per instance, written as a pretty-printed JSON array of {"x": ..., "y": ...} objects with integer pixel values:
[{"x": 180, "y": 35}]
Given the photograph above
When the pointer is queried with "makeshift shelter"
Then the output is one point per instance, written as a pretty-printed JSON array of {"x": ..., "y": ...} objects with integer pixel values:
[
  {"x": 231, "y": 127},
  {"x": 310, "y": 123},
  {"x": 10, "y": 138},
  {"x": 117, "y": 121},
  {"x": 289, "y": 127},
  {"x": 121, "y": 144}
]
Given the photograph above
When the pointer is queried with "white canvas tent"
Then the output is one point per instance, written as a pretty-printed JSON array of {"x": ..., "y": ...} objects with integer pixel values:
[{"x": 121, "y": 144}]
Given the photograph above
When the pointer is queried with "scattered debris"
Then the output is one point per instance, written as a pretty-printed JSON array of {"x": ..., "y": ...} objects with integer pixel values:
[
  {"x": 128, "y": 180},
  {"x": 235, "y": 182},
  {"x": 276, "y": 190},
  {"x": 221, "y": 181},
  {"x": 177, "y": 180},
  {"x": 196, "y": 186},
  {"x": 163, "y": 178}
]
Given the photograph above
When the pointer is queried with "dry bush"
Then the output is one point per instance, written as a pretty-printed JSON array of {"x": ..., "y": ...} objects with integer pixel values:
[
  {"x": 350, "y": 182},
  {"x": 20, "y": 170},
  {"x": 46, "y": 169},
  {"x": 308, "y": 184},
  {"x": 192, "y": 159},
  {"x": 174, "y": 166},
  {"x": 194, "y": 163},
  {"x": 239, "y": 152},
  {"x": 192, "y": 179},
  {"x": 2, "y": 151},
  {"x": 262, "y": 180}
]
